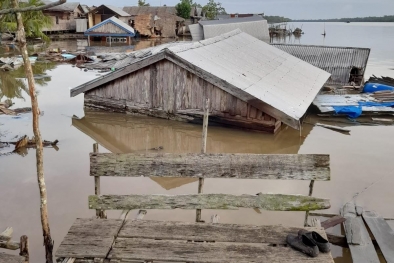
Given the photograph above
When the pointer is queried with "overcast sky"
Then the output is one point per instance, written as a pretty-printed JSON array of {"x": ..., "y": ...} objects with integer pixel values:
[{"x": 295, "y": 9}]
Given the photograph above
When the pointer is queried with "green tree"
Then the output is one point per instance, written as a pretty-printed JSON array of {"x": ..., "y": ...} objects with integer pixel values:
[
  {"x": 34, "y": 22},
  {"x": 212, "y": 9},
  {"x": 142, "y": 3},
  {"x": 183, "y": 9}
]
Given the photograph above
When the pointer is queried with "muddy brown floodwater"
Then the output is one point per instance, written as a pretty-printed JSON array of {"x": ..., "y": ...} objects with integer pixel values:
[{"x": 361, "y": 162}]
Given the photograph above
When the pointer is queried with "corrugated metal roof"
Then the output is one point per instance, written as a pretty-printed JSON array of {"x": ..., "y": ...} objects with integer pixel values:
[
  {"x": 117, "y": 10},
  {"x": 339, "y": 61},
  {"x": 66, "y": 7},
  {"x": 260, "y": 70},
  {"x": 255, "y": 26},
  {"x": 197, "y": 32},
  {"x": 139, "y": 10},
  {"x": 129, "y": 31},
  {"x": 85, "y": 8},
  {"x": 232, "y": 20}
]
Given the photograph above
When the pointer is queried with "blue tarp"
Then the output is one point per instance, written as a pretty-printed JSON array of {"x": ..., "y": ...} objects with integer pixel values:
[
  {"x": 373, "y": 87},
  {"x": 356, "y": 111},
  {"x": 350, "y": 111}
]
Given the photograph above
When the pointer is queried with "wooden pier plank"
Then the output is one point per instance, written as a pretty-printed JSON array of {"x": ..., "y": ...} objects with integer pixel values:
[
  {"x": 208, "y": 232},
  {"x": 273, "y": 202},
  {"x": 182, "y": 251},
  {"x": 89, "y": 238},
  {"x": 5, "y": 258},
  {"x": 382, "y": 232},
  {"x": 360, "y": 244},
  {"x": 242, "y": 166}
]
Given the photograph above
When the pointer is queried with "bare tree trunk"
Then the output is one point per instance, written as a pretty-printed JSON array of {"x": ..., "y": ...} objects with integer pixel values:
[{"x": 21, "y": 36}]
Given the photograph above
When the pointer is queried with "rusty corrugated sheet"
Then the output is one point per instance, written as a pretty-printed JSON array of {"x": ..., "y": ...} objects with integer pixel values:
[{"x": 338, "y": 61}]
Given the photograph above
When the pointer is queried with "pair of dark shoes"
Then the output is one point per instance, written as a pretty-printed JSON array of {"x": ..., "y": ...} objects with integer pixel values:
[{"x": 309, "y": 243}]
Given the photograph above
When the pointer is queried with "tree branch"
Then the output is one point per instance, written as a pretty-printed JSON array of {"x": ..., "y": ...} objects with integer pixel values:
[{"x": 31, "y": 8}]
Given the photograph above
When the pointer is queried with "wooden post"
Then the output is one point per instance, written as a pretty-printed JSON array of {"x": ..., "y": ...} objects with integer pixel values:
[
  {"x": 203, "y": 150},
  {"x": 310, "y": 194},
  {"x": 24, "y": 248},
  {"x": 21, "y": 37},
  {"x": 99, "y": 213},
  {"x": 89, "y": 41}
]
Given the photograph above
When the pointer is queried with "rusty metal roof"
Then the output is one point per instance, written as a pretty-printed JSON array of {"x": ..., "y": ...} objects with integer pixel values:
[{"x": 338, "y": 61}]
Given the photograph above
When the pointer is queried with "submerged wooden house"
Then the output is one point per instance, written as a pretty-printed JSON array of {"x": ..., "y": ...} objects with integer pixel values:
[
  {"x": 65, "y": 17},
  {"x": 111, "y": 30},
  {"x": 249, "y": 83}
]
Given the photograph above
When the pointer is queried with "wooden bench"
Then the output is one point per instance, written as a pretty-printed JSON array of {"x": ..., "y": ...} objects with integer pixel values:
[
  {"x": 147, "y": 241},
  {"x": 118, "y": 240}
]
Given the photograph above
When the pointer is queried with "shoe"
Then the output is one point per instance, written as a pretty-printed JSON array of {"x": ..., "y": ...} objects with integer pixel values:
[
  {"x": 321, "y": 242},
  {"x": 304, "y": 244}
]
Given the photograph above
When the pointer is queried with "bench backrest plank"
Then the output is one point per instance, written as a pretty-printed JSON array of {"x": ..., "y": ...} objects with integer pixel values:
[
  {"x": 272, "y": 202},
  {"x": 241, "y": 166}
]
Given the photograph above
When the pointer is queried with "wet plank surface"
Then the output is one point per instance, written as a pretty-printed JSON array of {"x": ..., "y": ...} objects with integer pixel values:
[
  {"x": 182, "y": 251},
  {"x": 188, "y": 242},
  {"x": 242, "y": 166},
  {"x": 382, "y": 232},
  {"x": 208, "y": 232},
  {"x": 89, "y": 238},
  {"x": 360, "y": 244},
  {"x": 272, "y": 202},
  {"x": 5, "y": 258}
]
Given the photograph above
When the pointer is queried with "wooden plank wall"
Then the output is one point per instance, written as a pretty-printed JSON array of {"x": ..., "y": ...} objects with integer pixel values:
[
  {"x": 109, "y": 28},
  {"x": 169, "y": 88}
]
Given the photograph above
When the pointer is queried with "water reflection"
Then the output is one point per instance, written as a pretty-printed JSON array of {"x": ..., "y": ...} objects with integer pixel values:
[
  {"x": 13, "y": 84},
  {"x": 120, "y": 133}
]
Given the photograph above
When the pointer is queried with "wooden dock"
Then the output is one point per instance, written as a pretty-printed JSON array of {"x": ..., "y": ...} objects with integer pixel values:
[
  {"x": 113, "y": 240},
  {"x": 362, "y": 247}
]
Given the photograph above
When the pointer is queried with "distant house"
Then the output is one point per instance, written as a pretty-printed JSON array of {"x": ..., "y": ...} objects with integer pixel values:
[
  {"x": 65, "y": 17},
  {"x": 103, "y": 12},
  {"x": 255, "y": 26},
  {"x": 111, "y": 30},
  {"x": 249, "y": 83},
  {"x": 153, "y": 21},
  {"x": 228, "y": 16}
]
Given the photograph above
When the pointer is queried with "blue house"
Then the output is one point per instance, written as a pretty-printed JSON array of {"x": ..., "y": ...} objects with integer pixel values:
[{"x": 111, "y": 30}]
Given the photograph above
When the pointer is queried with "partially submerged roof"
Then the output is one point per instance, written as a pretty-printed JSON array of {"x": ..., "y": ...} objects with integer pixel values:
[
  {"x": 140, "y": 10},
  {"x": 112, "y": 8},
  {"x": 263, "y": 76},
  {"x": 339, "y": 61},
  {"x": 118, "y": 29},
  {"x": 255, "y": 26}
]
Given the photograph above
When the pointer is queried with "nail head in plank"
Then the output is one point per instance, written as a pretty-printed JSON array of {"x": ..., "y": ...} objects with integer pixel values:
[
  {"x": 241, "y": 166},
  {"x": 273, "y": 202},
  {"x": 382, "y": 232}
]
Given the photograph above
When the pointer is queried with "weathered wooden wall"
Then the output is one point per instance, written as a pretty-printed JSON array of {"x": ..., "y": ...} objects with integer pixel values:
[
  {"x": 109, "y": 28},
  {"x": 169, "y": 91},
  {"x": 66, "y": 21}
]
